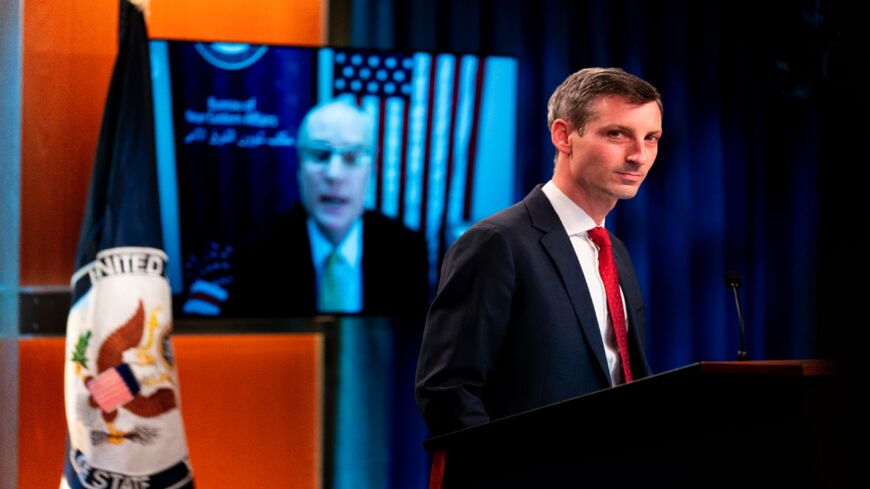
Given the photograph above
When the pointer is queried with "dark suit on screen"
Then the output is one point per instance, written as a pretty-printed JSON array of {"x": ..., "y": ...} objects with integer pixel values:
[
  {"x": 513, "y": 326},
  {"x": 278, "y": 278}
]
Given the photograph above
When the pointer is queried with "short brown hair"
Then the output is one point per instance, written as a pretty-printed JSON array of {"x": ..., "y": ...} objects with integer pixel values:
[{"x": 572, "y": 100}]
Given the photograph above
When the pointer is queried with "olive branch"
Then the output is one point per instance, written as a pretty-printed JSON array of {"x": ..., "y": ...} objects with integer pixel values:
[{"x": 78, "y": 355}]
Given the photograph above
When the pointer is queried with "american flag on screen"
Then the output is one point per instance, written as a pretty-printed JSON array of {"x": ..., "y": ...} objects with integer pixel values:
[{"x": 426, "y": 110}]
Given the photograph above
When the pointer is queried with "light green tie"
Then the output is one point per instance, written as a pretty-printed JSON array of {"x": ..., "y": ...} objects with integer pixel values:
[{"x": 330, "y": 297}]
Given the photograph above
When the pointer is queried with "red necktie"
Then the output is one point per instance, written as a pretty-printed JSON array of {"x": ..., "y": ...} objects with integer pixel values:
[{"x": 610, "y": 277}]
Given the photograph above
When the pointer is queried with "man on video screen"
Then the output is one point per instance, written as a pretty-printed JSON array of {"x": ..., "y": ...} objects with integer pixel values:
[{"x": 328, "y": 254}]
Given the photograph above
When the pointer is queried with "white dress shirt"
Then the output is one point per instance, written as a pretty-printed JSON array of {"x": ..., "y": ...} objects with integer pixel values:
[
  {"x": 576, "y": 223},
  {"x": 350, "y": 251}
]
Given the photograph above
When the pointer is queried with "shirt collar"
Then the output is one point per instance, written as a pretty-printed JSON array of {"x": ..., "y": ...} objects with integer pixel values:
[
  {"x": 350, "y": 248},
  {"x": 574, "y": 219}
]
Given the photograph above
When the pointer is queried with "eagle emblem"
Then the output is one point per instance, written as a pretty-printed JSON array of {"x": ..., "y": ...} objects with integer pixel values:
[{"x": 134, "y": 359}]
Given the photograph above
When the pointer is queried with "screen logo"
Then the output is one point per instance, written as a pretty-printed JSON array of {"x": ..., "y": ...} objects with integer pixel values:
[{"x": 231, "y": 56}]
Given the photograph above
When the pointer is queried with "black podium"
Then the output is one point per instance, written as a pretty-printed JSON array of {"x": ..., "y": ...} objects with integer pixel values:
[{"x": 710, "y": 424}]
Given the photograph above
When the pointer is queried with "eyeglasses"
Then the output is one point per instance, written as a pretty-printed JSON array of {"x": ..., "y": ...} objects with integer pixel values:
[{"x": 318, "y": 156}]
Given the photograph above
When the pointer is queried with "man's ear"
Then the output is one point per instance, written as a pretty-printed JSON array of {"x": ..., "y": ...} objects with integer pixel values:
[{"x": 559, "y": 132}]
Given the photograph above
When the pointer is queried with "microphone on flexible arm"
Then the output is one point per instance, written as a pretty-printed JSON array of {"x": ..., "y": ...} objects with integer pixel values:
[{"x": 732, "y": 279}]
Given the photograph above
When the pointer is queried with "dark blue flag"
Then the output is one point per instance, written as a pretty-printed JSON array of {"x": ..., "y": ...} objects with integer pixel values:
[{"x": 121, "y": 387}]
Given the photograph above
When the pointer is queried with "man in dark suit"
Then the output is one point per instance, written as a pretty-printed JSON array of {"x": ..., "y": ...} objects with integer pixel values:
[
  {"x": 393, "y": 270},
  {"x": 328, "y": 254},
  {"x": 529, "y": 310}
]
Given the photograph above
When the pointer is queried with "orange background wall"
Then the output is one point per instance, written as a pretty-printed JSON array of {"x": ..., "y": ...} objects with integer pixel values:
[
  {"x": 254, "y": 21},
  {"x": 68, "y": 51},
  {"x": 251, "y": 406}
]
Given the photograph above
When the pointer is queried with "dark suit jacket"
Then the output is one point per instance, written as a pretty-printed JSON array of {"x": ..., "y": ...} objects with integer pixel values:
[
  {"x": 277, "y": 279},
  {"x": 513, "y": 326}
]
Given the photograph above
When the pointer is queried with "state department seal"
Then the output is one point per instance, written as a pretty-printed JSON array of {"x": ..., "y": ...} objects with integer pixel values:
[{"x": 231, "y": 56}]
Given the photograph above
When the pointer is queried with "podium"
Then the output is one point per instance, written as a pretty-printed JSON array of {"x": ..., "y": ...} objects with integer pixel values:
[{"x": 709, "y": 424}]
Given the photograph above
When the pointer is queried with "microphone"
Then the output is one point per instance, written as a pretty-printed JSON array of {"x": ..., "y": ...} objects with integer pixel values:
[{"x": 732, "y": 279}]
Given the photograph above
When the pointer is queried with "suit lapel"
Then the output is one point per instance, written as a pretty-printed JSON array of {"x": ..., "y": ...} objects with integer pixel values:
[
  {"x": 290, "y": 239},
  {"x": 627, "y": 283},
  {"x": 557, "y": 244}
]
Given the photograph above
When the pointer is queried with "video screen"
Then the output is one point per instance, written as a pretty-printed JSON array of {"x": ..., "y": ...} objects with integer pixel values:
[{"x": 303, "y": 180}]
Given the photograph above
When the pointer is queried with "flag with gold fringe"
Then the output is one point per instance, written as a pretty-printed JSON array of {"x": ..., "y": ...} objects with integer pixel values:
[{"x": 121, "y": 391}]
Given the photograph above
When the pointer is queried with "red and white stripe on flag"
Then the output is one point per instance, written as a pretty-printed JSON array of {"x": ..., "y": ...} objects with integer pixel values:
[{"x": 425, "y": 110}]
